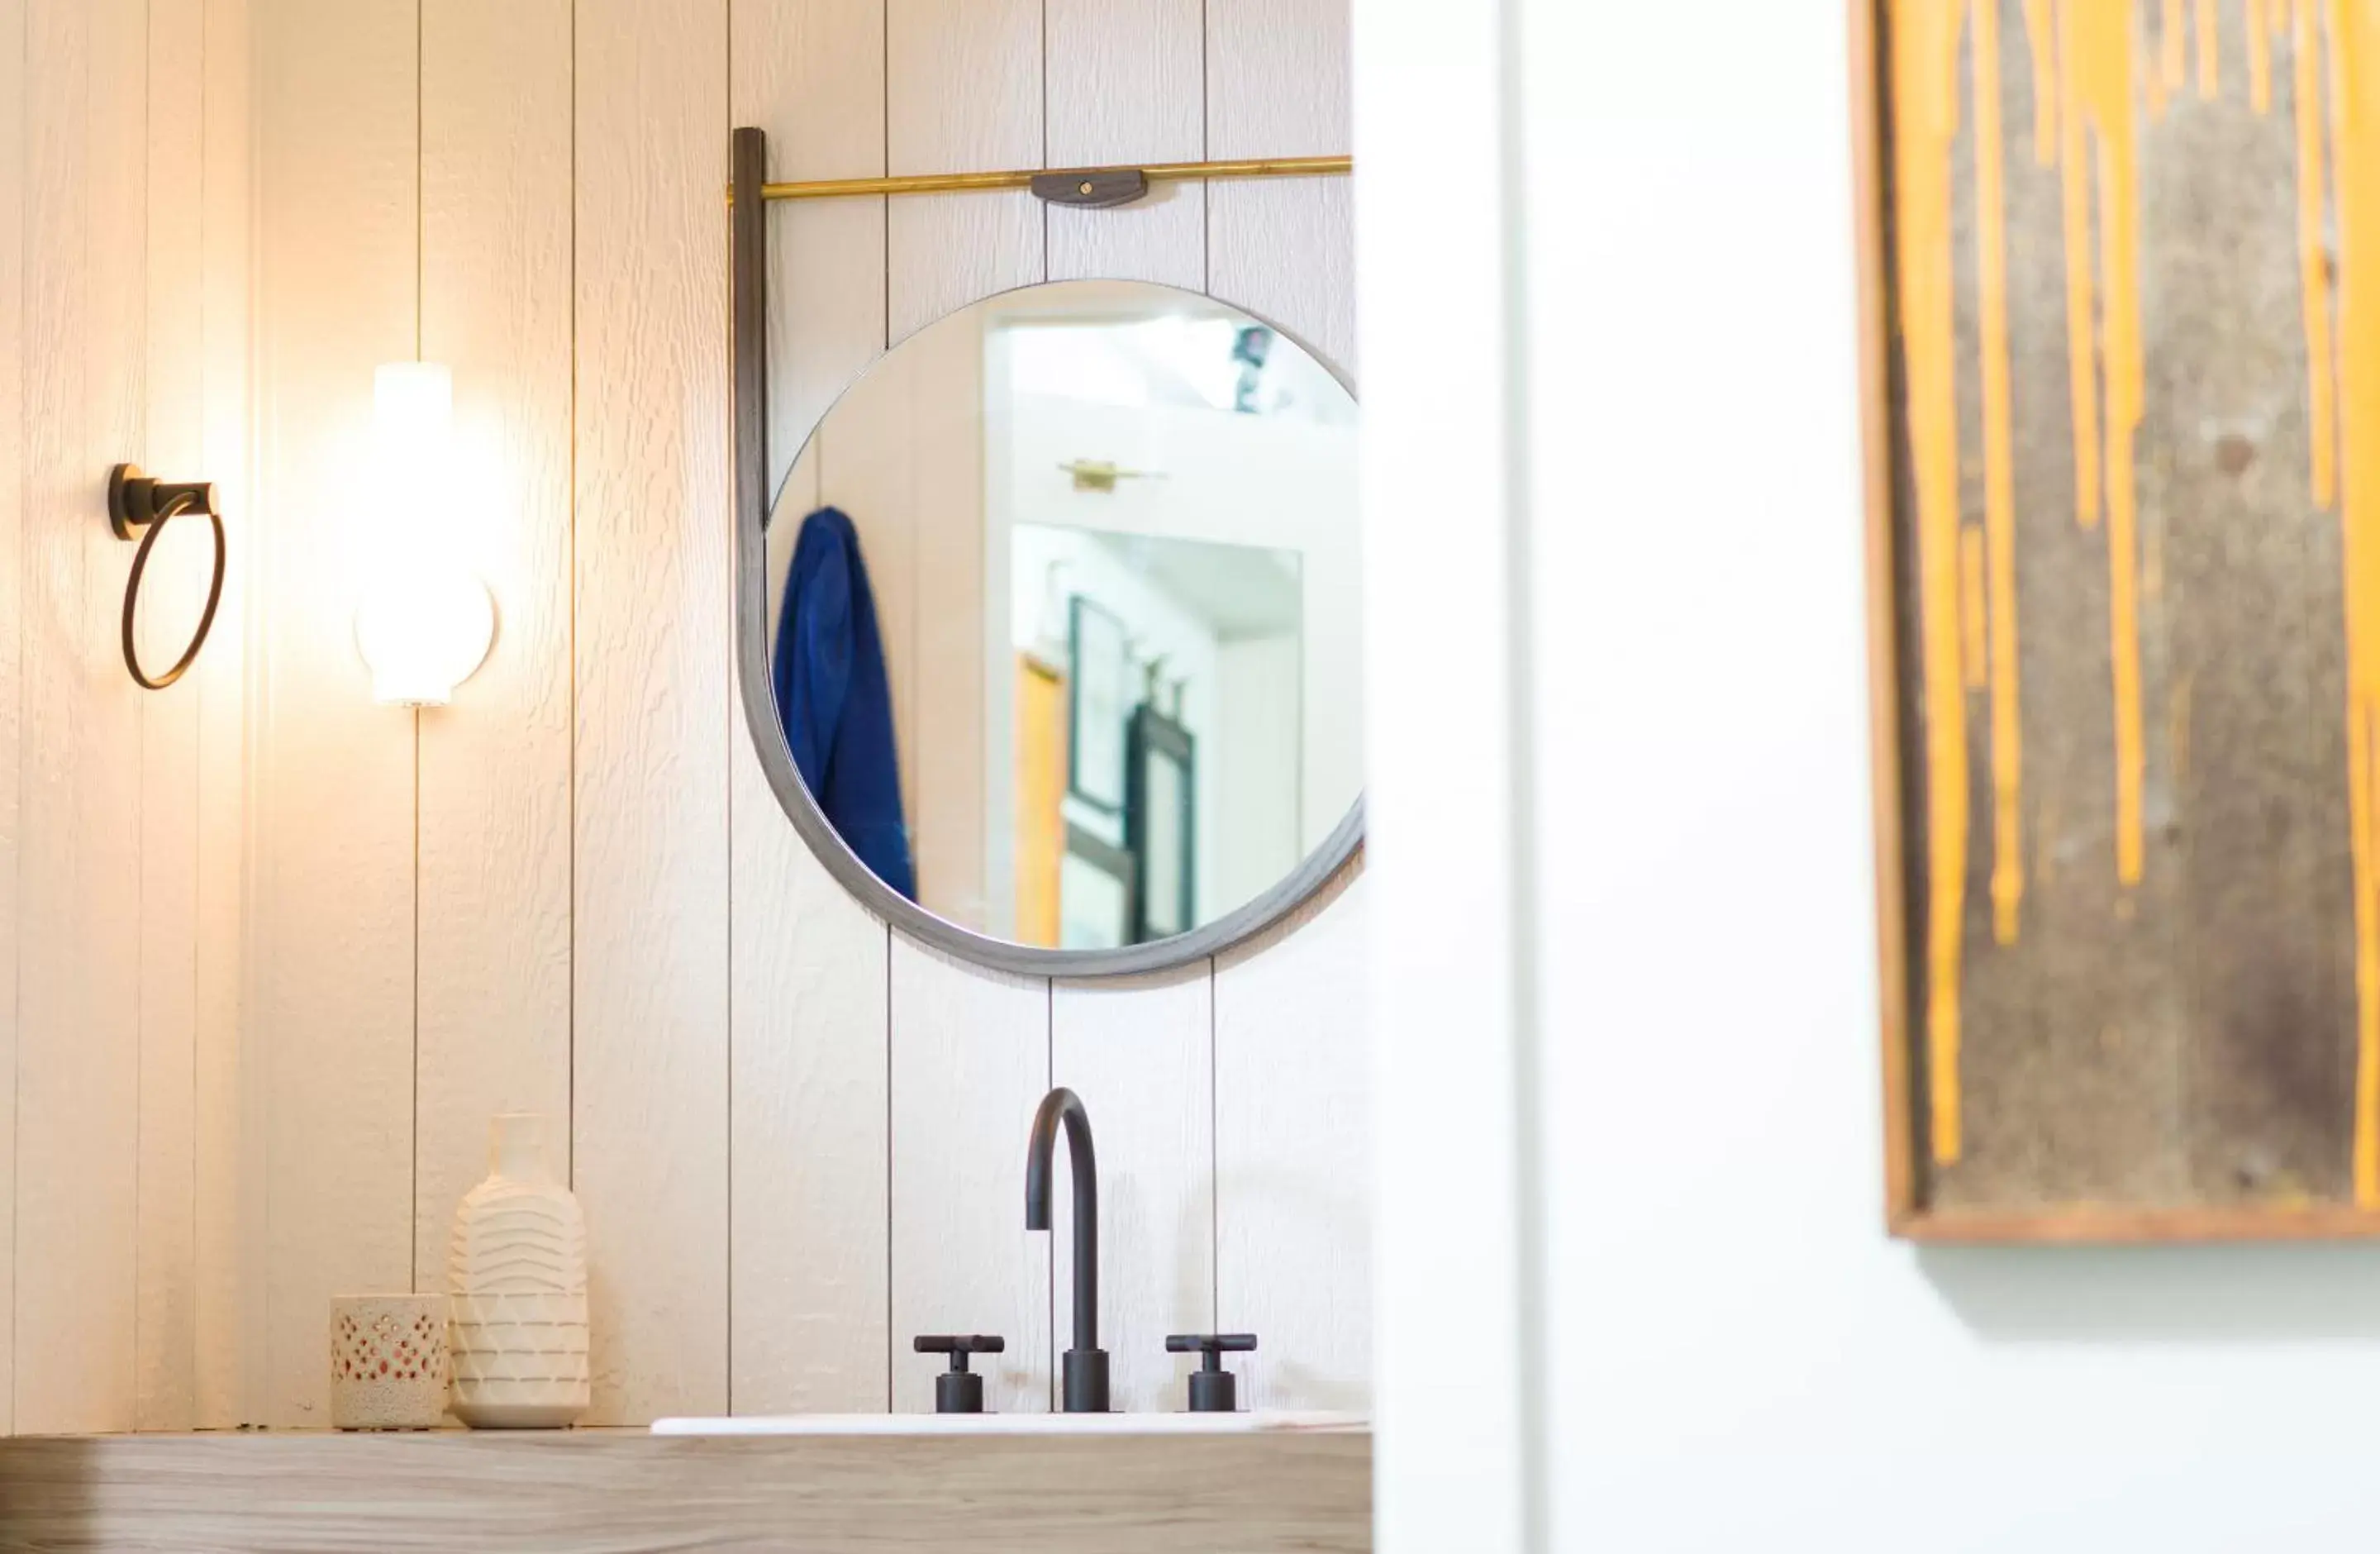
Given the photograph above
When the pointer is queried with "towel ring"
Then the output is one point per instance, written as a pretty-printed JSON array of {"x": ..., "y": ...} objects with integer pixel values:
[{"x": 139, "y": 507}]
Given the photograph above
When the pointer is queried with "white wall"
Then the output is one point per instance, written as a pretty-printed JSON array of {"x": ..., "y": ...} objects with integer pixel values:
[
  {"x": 1720, "y": 1132},
  {"x": 125, "y": 172},
  {"x": 1445, "y": 818},
  {"x": 1733, "y": 1355}
]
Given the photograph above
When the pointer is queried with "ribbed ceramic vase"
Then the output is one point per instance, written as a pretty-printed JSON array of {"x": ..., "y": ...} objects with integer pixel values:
[{"x": 518, "y": 1275}]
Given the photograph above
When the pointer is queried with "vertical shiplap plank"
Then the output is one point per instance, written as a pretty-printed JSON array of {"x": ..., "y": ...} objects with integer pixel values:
[
  {"x": 57, "y": 45},
  {"x": 971, "y": 1063},
  {"x": 811, "y": 1189},
  {"x": 1291, "y": 1157},
  {"x": 963, "y": 93},
  {"x": 14, "y": 194},
  {"x": 812, "y": 1205},
  {"x": 971, "y": 1050},
  {"x": 1254, "y": 222},
  {"x": 1284, "y": 248},
  {"x": 811, "y": 74},
  {"x": 228, "y": 1183},
  {"x": 494, "y": 921},
  {"x": 115, "y": 399},
  {"x": 1294, "y": 1154},
  {"x": 1126, "y": 84},
  {"x": 1140, "y": 1053},
  {"x": 650, "y": 962},
  {"x": 332, "y": 914},
  {"x": 78, "y": 1061},
  {"x": 173, "y": 594}
]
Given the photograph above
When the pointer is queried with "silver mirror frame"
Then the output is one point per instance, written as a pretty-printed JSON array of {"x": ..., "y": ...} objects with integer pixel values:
[{"x": 750, "y": 271}]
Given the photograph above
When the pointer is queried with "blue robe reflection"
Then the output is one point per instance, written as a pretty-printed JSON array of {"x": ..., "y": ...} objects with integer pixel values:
[{"x": 836, "y": 701}]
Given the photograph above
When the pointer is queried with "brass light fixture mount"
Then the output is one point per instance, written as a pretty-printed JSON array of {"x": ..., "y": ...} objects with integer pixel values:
[
  {"x": 1101, "y": 475},
  {"x": 138, "y": 507}
]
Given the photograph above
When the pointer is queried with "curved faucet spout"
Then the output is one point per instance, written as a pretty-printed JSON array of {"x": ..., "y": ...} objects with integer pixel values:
[{"x": 1086, "y": 1366}]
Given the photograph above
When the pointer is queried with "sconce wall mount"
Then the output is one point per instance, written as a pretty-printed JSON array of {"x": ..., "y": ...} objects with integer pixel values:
[{"x": 138, "y": 507}]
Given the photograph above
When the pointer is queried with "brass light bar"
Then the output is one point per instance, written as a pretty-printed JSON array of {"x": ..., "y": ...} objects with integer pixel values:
[{"x": 953, "y": 183}]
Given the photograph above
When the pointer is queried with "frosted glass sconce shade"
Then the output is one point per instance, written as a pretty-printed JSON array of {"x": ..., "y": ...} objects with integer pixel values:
[
  {"x": 425, "y": 622},
  {"x": 424, "y": 632}
]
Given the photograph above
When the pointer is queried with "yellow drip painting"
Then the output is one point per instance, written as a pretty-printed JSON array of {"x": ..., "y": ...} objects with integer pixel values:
[{"x": 2100, "y": 69}]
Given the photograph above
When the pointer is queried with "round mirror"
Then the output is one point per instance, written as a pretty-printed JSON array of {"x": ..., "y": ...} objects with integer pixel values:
[{"x": 1064, "y": 619}]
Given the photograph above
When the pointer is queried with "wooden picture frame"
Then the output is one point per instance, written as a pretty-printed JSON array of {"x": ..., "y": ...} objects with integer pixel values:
[{"x": 1910, "y": 1211}]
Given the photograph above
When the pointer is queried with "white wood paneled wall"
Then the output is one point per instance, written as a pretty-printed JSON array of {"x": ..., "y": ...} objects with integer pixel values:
[
  {"x": 165, "y": 1318},
  {"x": 309, "y": 943},
  {"x": 79, "y": 1059},
  {"x": 15, "y": 496},
  {"x": 495, "y": 805},
  {"x": 126, "y": 140},
  {"x": 810, "y": 1291},
  {"x": 334, "y": 918},
  {"x": 228, "y": 1178},
  {"x": 656, "y": 710}
]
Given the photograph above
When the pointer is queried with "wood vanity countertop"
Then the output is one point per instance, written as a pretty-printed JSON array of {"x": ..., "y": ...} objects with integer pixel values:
[{"x": 625, "y": 1492}]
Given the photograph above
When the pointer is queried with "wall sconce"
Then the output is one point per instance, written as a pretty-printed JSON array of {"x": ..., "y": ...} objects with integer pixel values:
[{"x": 424, "y": 624}]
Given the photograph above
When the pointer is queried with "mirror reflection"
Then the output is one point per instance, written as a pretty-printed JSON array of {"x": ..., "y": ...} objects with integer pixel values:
[{"x": 1065, "y": 608}]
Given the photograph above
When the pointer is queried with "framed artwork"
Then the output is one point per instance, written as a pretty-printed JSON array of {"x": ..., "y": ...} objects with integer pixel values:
[
  {"x": 2124, "y": 613},
  {"x": 1099, "y": 682},
  {"x": 1161, "y": 801}
]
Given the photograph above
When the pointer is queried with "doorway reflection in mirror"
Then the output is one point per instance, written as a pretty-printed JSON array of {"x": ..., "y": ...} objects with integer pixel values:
[{"x": 1105, "y": 534}]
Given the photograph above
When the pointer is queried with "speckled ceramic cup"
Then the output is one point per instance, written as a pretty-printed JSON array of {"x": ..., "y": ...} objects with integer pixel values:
[{"x": 388, "y": 1362}]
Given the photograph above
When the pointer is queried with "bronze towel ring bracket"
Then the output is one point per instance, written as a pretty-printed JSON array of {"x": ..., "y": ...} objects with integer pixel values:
[{"x": 139, "y": 508}]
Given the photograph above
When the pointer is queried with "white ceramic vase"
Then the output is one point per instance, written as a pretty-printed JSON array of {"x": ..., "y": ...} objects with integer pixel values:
[{"x": 517, "y": 1272}]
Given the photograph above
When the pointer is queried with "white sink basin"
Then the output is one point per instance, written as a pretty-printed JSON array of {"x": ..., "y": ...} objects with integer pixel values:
[{"x": 1007, "y": 1424}]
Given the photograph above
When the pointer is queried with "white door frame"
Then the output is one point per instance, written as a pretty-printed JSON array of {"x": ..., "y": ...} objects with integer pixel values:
[{"x": 1440, "y": 355}]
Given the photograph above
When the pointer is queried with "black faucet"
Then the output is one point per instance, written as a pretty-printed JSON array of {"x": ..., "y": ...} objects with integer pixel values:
[{"x": 1086, "y": 1363}]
